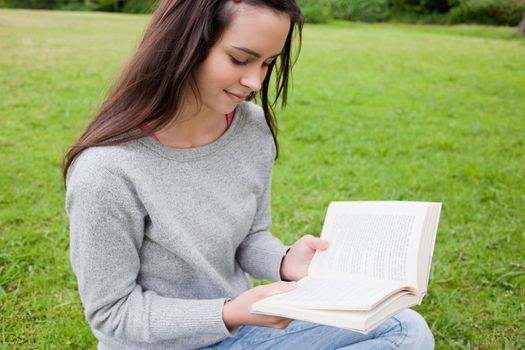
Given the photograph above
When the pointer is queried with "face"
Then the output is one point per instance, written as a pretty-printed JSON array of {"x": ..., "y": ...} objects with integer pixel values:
[{"x": 237, "y": 64}]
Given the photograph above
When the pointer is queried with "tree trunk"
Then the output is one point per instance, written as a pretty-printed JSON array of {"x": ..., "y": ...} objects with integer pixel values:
[{"x": 521, "y": 27}]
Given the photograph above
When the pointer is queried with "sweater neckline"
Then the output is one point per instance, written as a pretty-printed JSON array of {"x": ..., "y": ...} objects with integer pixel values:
[{"x": 193, "y": 153}]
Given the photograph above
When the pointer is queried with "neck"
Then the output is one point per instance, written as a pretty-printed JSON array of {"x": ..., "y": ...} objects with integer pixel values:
[{"x": 195, "y": 129}]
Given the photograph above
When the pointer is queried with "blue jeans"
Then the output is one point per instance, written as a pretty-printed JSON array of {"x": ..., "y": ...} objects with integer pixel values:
[{"x": 406, "y": 330}]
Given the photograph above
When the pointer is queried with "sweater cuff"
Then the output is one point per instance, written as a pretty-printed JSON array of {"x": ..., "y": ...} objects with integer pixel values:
[
  {"x": 261, "y": 255},
  {"x": 173, "y": 318},
  {"x": 281, "y": 264},
  {"x": 275, "y": 261}
]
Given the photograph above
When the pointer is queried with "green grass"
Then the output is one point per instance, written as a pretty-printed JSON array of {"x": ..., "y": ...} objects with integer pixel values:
[{"x": 380, "y": 111}]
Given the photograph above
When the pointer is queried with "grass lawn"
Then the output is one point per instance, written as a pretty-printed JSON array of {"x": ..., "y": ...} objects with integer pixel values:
[{"x": 378, "y": 111}]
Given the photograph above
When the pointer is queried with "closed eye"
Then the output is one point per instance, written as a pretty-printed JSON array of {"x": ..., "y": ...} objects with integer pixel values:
[{"x": 237, "y": 62}]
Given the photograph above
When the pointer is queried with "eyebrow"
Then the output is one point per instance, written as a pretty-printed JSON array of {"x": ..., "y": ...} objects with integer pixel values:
[{"x": 253, "y": 53}]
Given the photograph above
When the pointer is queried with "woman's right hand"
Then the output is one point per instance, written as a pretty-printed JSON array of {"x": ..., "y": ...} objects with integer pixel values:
[{"x": 237, "y": 312}]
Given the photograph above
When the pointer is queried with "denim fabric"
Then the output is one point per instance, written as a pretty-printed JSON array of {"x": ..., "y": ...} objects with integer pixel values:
[{"x": 406, "y": 330}]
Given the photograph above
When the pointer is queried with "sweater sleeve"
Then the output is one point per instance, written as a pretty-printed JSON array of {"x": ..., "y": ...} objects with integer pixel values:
[
  {"x": 106, "y": 233},
  {"x": 260, "y": 254}
]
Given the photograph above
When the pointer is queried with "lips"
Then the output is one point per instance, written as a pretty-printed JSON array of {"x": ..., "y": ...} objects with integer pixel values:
[{"x": 235, "y": 97}]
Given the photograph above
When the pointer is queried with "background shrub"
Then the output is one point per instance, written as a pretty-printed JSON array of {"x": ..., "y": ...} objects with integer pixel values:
[
  {"x": 95, "y": 5},
  {"x": 315, "y": 11},
  {"x": 490, "y": 12},
  {"x": 78, "y": 5},
  {"x": 361, "y": 10},
  {"x": 495, "y": 12},
  {"x": 105, "y": 5},
  {"x": 423, "y": 6},
  {"x": 34, "y": 4},
  {"x": 133, "y": 6},
  {"x": 139, "y": 6}
]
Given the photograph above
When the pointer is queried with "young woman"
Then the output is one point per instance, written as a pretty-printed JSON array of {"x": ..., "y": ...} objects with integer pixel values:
[{"x": 168, "y": 192}]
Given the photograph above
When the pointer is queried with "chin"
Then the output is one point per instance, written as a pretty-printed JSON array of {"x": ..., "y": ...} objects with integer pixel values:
[{"x": 230, "y": 108}]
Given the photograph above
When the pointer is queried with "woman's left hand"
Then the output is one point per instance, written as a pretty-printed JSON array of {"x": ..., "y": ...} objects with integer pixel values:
[{"x": 295, "y": 263}]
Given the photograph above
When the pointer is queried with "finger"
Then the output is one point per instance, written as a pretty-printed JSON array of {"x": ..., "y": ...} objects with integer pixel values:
[
  {"x": 315, "y": 243},
  {"x": 278, "y": 322},
  {"x": 322, "y": 244},
  {"x": 283, "y": 324},
  {"x": 279, "y": 287}
]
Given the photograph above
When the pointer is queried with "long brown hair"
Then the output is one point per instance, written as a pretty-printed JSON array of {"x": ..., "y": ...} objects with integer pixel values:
[{"x": 151, "y": 87}]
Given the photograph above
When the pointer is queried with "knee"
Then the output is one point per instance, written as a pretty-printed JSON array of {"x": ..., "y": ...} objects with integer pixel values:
[{"x": 418, "y": 334}]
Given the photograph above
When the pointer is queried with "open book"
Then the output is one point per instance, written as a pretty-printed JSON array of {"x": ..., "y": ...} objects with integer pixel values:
[{"x": 377, "y": 264}]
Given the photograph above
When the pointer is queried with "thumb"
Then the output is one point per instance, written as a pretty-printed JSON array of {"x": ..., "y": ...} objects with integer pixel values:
[
  {"x": 317, "y": 243},
  {"x": 279, "y": 287}
]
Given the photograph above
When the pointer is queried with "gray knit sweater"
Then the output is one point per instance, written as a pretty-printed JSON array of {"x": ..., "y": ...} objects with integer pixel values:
[{"x": 160, "y": 236}]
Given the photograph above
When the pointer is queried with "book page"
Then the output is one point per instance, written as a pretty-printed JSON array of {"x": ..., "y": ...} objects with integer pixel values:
[
  {"x": 374, "y": 239},
  {"x": 427, "y": 246},
  {"x": 325, "y": 294},
  {"x": 362, "y": 321}
]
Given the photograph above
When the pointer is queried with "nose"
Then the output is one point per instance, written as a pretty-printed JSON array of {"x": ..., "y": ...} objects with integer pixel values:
[{"x": 253, "y": 78}]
